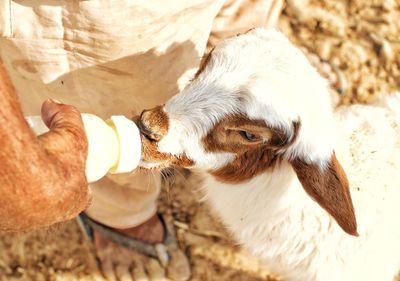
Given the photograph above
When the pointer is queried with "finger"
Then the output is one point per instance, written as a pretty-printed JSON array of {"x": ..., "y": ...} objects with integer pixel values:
[
  {"x": 67, "y": 131},
  {"x": 55, "y": 115}
]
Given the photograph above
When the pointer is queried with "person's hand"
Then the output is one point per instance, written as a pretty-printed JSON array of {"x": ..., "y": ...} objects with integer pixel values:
[
  {"x": 66, "y": 143},
  {"x": 42, "y": 179},
  {"x": 66, "y": 148}
]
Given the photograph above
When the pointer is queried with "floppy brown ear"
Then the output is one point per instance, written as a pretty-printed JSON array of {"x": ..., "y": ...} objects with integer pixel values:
[{"x": 330, "y": 188}]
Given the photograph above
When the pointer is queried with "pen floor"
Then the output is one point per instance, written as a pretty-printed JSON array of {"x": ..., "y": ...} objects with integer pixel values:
[{"x": 359, "y": 37}]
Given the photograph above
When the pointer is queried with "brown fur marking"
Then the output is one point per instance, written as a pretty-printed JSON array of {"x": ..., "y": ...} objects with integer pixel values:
[
  {"x": 330, "y": 188},
  {"x": 153, "y": 125},
  {"x": 247, "y": 165},
  {"x": 204, "y": 61},
  {"x": 253, "y": 157}
]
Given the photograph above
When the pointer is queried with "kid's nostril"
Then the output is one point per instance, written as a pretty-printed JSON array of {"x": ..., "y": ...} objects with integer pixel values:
[
  {"x": 147, "y": 133},
  {"x": 153, "y": 124},
  {"x": 143, "y": 129}
]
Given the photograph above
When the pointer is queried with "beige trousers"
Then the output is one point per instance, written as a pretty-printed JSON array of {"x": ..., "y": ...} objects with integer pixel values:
[{"x": 116, "y": 57}]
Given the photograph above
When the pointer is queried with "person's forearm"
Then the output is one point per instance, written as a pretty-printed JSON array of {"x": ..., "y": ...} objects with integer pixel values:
[{"x": 34, "y": 190}]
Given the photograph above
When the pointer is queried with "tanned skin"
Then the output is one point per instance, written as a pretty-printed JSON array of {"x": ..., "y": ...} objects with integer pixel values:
[{"x": 42, "y": 179}]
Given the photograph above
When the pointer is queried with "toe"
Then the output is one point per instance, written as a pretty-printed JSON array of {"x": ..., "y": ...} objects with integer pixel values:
[
  {"x": 123, "y": 272},
  {"x": 107, "y": 269},
  {"x": 179, "y": 267},
  {"x": 138, "y": 271},
  {"x": 114, "y": 263},
  {"x": 155, "y": 270}
]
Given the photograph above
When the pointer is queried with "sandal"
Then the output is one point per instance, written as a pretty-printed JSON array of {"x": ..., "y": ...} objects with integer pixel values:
[{"x": 164, "y": 252}]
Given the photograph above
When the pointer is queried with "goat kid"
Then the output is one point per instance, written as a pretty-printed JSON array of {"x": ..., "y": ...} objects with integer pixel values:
[{"x": 257, "y": 121}]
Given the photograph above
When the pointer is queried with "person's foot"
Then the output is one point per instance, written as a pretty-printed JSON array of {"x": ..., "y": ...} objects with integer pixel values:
[
  {"x": 151, "y": 231},
  {"x": 120, "y": 263}
]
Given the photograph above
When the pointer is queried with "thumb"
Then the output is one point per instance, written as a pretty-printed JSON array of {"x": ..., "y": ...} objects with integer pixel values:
[
  {"x": 67, "y": 132},
  {"x": 66, "y": 146},
  {"x": 58, "y": 115}
]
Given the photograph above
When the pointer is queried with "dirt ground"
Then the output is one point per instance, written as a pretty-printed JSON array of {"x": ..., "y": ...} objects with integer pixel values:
[{"x": 361, "y": 38}]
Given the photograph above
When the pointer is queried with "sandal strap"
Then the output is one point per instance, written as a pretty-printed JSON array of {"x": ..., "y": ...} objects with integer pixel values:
[{"x": 155, "y": 251}]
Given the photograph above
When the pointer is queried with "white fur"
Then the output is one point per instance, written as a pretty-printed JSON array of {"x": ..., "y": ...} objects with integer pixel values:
[{"x": 264, "y": 76}]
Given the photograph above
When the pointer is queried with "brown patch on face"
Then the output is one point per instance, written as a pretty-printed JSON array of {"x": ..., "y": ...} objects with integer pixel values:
[
  {"x": 247, "y": 165},
  {"x": 330, "y": 188},
  {"x": 153, "y": 125},
  {"x": 252, "y": 156},
  {"x": 151, "y": 154}
]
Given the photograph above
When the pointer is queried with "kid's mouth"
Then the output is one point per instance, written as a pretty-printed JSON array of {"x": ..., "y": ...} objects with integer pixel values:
[{"x": 151, "y": 165}]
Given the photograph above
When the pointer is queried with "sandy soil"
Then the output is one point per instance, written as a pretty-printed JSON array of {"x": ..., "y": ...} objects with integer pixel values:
[{"x": 361, "y": 38}]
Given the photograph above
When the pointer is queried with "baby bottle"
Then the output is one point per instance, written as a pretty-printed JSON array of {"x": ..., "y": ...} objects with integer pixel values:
[{"x": 114, "y": 145}]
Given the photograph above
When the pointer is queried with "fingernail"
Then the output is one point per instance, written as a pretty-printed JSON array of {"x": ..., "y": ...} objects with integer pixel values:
[
  {"x": 49, "y": 108},
  {"x": 55, "y": 101}
]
